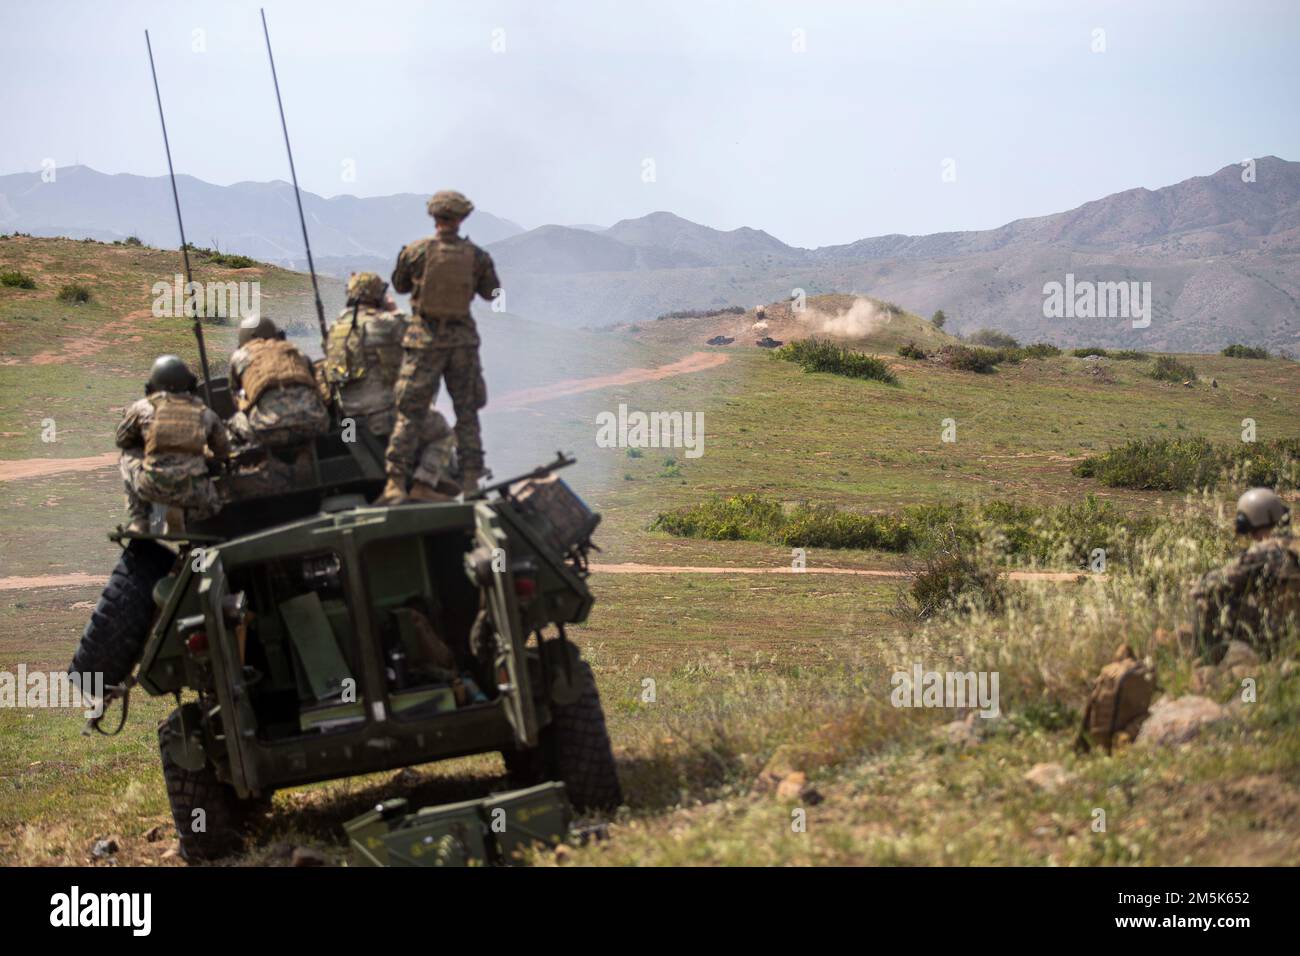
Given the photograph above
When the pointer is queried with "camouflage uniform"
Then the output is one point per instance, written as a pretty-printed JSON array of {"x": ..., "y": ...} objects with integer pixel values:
[
  {"x": 286, "y": 409},
  {"x": 1254, "y": 598},
  {"x": 442, "y": 275},
  {"x": 363, "y": 356},
  {"x": 162, "y": 437}
]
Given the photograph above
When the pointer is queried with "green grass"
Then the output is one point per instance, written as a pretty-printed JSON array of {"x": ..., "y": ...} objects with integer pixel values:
[
  {"x": 820, "y": 355},
  {"x": 752, "y": 670}
]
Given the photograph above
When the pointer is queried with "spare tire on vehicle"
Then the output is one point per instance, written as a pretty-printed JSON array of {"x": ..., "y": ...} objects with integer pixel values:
[{"x": 114, "y": 638}]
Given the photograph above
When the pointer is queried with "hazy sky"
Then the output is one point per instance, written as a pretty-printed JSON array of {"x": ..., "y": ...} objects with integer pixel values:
[{"x": 843, "y": 140}]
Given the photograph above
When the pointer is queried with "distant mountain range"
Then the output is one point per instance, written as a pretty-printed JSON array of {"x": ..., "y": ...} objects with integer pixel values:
[{"x": 1222, "y": 254}]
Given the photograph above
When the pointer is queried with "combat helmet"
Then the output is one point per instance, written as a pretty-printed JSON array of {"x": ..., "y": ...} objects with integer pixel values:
[
  {"x": 449, "y": 204},
  {"x": 366, "y": 288},
  {"x": 1261, "y": 508},
  {"x": 171, "y": 374},
  {"x": 257, "y": 327}
]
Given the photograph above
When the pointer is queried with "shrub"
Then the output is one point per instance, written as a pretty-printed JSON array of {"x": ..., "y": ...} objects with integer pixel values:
[
  {"x": 993, "y": 339},
  {"x": 938, "y": 319},
  {"x": 74, "y": 293},
  {"x": 1041, "y": 350},
  {"x": 1057, "y": 536},
  {"x": 968, "y": 359},
  {"x": 957, "y": 579},
  {"x": 1166, "y": 368},
  {"x": 1129, "y": 355},
  {"x": 911, "y": 351},
  {"x": 1245, "y": 352},
  {"x": 819, "y": 355},
  {"x": 14, "y": 279},
  {"x": 1186, "y": 464},
  {"x": 702, "y": 313},
  {"x": 213, "y": 257}
]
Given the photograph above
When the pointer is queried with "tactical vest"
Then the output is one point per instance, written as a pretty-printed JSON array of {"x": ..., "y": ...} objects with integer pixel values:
[
  {"x": 274, "y": 364},
  {"x": 355, "y": 349},
  {"x": 176, "y": 427},
  {"x": 447, "y": 288}
]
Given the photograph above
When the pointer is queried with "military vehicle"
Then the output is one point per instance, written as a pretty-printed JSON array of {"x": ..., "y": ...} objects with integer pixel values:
[
  {"x": 300, "y": 623},
  {"x": 322, "y": 637}
]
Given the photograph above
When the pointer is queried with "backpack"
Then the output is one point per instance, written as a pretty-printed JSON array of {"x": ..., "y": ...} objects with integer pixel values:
[{"x": 1118, "y": 703}]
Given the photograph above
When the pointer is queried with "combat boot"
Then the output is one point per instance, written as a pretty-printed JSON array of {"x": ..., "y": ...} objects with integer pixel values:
[
  {"x": 469, "y": 481},
  {"x": 393, "y": 494},
  {"x": 422, "y": 492}
]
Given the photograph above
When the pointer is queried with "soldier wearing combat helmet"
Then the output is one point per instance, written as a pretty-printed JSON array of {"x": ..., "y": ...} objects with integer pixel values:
[
  {"x": 442, "y": 273},
  {"x": 363, "y": 354},
  {"x": 164, "y": 439},
  {"x": 275, "y": 389},
  {"x": 1255, "y": 597}
]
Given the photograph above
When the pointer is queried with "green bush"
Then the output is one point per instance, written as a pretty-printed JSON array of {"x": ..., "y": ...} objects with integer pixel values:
[
  {"x": 819, "y": 355},
  {"x": 911, "y": 351},
  {"x": 967, "y": 359},
  {"x": 14, "y": 279},
  {"x": 702, "y": 313},
  {"x": 1188, "y": 464},
  {"x": 938, "y": 319},
  {"x": 956, "y": 579},
  {"x": 213, "y": 257},
  {"x": 1041, "y": 350},
  {"x": 1131, "y": 355},
  {"x": 74, "y": 293},
  {"x": 1063, "y": 535},
  {"x": 993, "y": 339},
  {"x": 1166, "y": 368},
  {"x": 1245, "y": 352}
]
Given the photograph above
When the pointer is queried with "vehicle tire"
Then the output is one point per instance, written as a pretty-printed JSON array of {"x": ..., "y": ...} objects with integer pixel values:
[
  {"x": 574, "y": 749},
  {"x": 115, "y": 636},
  {"x": 223, "y": 811}
]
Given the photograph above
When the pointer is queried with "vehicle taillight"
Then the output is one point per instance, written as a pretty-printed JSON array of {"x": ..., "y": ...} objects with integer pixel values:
[
  {"x": 197, "y": 643},
  {"x": 525, "y": 588}
]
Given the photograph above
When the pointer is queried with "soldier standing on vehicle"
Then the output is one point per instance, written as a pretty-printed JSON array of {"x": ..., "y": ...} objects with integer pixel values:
[
  {"x": 275, "y": 389},
  {"x": 1255, "y": 597},
  {"x": 442, "y": 273},
  {"x": 163, "y": 438},
  {"x": 363, "y": 355}
]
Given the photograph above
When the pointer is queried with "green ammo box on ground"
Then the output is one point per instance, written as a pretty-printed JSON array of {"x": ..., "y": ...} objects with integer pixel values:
[{"x": 490, "y": 830}]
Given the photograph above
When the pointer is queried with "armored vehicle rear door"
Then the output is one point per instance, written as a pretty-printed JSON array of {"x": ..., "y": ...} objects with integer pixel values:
[{"x": 511, "y": 665}]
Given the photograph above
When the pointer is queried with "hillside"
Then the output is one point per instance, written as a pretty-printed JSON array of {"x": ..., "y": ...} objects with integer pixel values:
[
  {"x": 1222, "y": 257},
  {"x": 253, "y": 219}
]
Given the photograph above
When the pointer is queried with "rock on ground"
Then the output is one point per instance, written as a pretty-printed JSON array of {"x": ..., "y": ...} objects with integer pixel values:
[{"x": 1174, "y": 722}]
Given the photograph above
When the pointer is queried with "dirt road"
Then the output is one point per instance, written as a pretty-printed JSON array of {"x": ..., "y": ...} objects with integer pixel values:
[
  {"x": 695, "y": 362},
  {"x": 43, "y": 467},
  {"x": 634, "y": 568},
  {"x": 80, "y": 579}
]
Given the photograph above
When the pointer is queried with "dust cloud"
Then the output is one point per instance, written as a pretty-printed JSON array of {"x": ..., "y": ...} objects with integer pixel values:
[{"x": 858, "y": 321}]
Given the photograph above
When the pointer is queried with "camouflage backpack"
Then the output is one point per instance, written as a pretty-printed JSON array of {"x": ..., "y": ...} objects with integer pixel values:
[{"x": 1118, "y": 702}]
